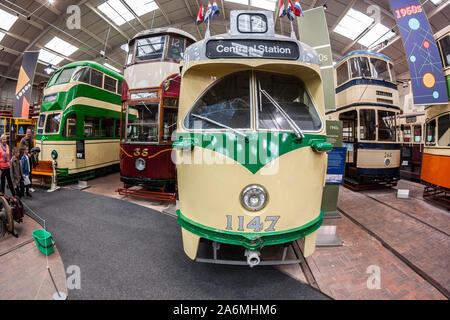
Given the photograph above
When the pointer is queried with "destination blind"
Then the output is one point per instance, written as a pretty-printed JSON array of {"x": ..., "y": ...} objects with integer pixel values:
[{"x": 257, "y": 49}]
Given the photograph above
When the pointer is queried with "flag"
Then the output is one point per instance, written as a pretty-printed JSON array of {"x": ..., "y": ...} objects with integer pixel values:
[
  {"x": 290, "y": 11},
  {"x": 298, "y": 9},
  {"x": 201, "y": 15},
  {"x": 208, "y": 11},
  {"x": 215, "y": 9},
  {"x": 282, "y": 11}
]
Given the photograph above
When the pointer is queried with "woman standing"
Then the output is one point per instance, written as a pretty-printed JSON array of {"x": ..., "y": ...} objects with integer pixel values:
[
  {"x": 4, "y": 165},
  {"x": 16, "y": 172}
]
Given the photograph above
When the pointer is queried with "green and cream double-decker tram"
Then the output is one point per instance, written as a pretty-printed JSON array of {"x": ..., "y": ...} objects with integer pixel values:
[
  {"x": 79, "y": 122},
  {"x": 251, "y": 147}
]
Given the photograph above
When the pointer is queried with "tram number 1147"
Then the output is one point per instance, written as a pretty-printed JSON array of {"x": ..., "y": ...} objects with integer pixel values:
[{"x": 255, "y": 224}]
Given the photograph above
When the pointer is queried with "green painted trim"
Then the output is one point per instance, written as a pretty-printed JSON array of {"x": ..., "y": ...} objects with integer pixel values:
[
  {"x": 249, "y": 153},
  {"x": 251, "y": 241},
  {"x": 94, "y": 65}
]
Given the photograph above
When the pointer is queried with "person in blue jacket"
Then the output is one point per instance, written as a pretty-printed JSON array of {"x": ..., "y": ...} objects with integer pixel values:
[{"x": 26, "y": 172}]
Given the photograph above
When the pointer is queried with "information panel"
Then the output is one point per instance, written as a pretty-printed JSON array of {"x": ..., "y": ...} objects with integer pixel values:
[
  {"x": 336, "y": 166},
  {"x": 257, "y": 49}
]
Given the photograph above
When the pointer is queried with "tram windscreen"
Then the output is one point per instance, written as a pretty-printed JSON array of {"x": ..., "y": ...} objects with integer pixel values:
[
  {"x": 227, "y": 102},
  {"x": 291, "y": 95},
  {"x": 52, "y": 123},
  {"x": 359, "y": 67},
  {"x": 175, "y": 49},
  {"x": 150, "y": 48},
  {"x": 143, "y": 127},
  {"x": 380, "y": 69},
  {"x": 386, "y": 125},
  {"x": 444, "y": 45},
  {"x": 65, "y": 76},
  {"x": 367, "y": 122}
]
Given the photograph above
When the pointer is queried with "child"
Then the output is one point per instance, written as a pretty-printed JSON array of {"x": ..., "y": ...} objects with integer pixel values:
[
  {"x": 26, "y": 172},
  {"x": 16, "y": 173}
]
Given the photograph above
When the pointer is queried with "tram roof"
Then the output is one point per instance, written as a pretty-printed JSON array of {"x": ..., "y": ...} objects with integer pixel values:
[
  {"x": 366, "y": 53},
  {"x": 94, "y": 65},
  {"x": 164, "y": 30}
]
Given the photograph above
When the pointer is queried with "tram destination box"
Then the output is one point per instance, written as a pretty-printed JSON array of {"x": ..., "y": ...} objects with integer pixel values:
[{"x": 257, "y": 49}]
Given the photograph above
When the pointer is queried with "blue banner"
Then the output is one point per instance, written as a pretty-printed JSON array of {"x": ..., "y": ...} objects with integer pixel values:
[
  {"x": 336, "y": 165},
  {"x": 425, "y": 64}
]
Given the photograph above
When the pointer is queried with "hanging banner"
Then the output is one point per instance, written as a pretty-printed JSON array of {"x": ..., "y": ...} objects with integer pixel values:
[
  {"x": 425, "y": 65},
  {"x": 25, "y": 84},
  {"x": 313, "y": 30}
]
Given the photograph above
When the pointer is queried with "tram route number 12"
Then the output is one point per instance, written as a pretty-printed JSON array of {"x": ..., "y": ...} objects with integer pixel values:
[{"x": 255, "y": 224}]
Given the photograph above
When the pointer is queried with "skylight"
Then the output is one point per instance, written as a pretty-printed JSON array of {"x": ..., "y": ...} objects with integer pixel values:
[
  {"x": 112, "y": 68},
  {"x": 1, "y": 35},
  {"x": 50, "y": 58},
  {"x": 6, "y": 20},
  {"x": 376, "y": 35},
  {"x": 353, "y": 24},
  {"x": 61, "y": 46},
  {"x": 436, "y": 2},
  {"x": 245, "y": 2},
  {"x": 141, "y": 7},
  {"x": 116, "y": 11},
  {"x": 264, "y": 4}
]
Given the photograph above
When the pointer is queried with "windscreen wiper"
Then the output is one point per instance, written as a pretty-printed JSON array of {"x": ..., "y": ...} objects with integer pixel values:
[
  {"x": 298, "y": 132},
  {"x": 220, "y": 125}
]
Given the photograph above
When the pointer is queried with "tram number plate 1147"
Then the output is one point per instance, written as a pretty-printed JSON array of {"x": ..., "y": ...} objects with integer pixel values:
[{"x": 254, "y": 224}]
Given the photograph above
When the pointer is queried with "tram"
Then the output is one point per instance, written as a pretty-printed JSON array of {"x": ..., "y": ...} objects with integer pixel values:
[
  {"x": 435, "y": 171},
  {"x": 19, "y": 126},
  {"x": 251, "y": 149},
  {"x": 410, "y": 135},
  {"x": 367, "y": 103},
  {"x": 79, "y": 121},
  {"x": 150, "y": 110}
]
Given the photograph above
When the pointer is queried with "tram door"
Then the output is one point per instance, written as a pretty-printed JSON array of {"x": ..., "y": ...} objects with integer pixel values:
[{"x": 349, "y": 124}]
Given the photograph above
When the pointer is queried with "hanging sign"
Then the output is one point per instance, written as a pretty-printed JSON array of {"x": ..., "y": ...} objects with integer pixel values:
[{"x": 25, "y": 84}]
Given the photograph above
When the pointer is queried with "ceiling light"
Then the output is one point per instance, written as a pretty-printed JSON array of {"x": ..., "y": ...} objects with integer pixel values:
[
  {"x": 124, "y": 47},
  {"x": 353, "y": 24},
  {"x": 141, "y": 7},
  {"x": 116, "y": 11},
  {"x": 6, "y": 20},
  {"x": 61, "y": 46},
  {"x": 49, "y": 69}
]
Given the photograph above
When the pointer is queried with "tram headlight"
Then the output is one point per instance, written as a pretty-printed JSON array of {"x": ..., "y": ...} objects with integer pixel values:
[
  {"x": 54, "y": 155},
  {"x": 387, "y": 162},
  {"x": 254, "y": 197},
  {"x": 140, "y": 164}
]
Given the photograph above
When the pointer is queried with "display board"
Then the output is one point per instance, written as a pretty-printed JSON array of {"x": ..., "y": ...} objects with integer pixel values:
[{"x": 25, "y": 84}]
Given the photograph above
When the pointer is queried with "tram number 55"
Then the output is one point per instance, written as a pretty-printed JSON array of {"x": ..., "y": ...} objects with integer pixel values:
[{"x": 255, "y": 224}]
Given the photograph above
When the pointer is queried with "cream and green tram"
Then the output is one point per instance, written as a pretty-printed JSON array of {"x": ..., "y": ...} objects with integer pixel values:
[
  {"x": 79, "y": 122},
  {"x": 367, "y": 103},
  {"x": 251, "y": 146}
]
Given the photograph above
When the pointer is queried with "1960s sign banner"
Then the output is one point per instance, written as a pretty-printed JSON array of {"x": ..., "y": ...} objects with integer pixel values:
[{"x": 25, "y": 84}]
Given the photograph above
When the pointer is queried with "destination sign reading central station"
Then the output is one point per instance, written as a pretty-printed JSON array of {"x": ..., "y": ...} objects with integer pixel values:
[{"x": 262, "y": 49}]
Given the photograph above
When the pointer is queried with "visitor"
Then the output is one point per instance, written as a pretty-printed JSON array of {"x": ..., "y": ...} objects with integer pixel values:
[
  {"x": 27, "y": 141},
  {"x": 16, "y": 173},
  {"x": 25, "y": 162},
  {"x": 5, "y": 157}
]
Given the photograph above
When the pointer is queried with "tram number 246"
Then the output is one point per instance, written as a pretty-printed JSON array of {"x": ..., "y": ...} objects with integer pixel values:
[{"x": 255, "y": 224}]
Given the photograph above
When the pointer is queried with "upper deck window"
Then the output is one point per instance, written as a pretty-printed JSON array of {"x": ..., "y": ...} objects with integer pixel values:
[
  {"x": 359, "y": 67},
  {"x": 83, "y": 75},
  {"x": 110, "y": 84},
  {"x": 150, "y": 48},
  {"x": 64, "y": 76},
  {"x": 175, "y": 49},
  {"x": 252, "y": 23},
  {"x": 342, "y": 73},
  {"x": 393, "y": 77},
  {"x": 380, "y": 69},
  {"x": 444, "y": 47}
]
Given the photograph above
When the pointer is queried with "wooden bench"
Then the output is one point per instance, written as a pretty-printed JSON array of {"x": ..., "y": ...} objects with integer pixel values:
[{"x": 43, "y": 173}]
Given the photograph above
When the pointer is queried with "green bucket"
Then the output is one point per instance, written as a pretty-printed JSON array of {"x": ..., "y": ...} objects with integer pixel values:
[{"x": 43, "y": 240}]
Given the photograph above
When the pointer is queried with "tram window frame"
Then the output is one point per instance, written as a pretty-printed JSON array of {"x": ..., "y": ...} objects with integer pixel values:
[
  {"x": 405, "y": 135},
  {"x": 371, "y": 126},
  {"x": 131, "y": 53},
  {"x": 67, "y": 124},
  {"x": 110, "y": 84},
  {"x": 138, "y": 136},
  {"x": 162, "y": 50},
  {"x": 445, "y": 56},
  {"x": 119, "y": 87},
  {"x": 107, "y": 131},
  {"x": 53, "y": 79},
  {"x": 374, "y": 70},
  {"x": 91, "y": 82},
  {"x": 356, "y": 73},
  {"x": 250, "y": 15},
  {"x": 189, "y": 124},
  {"x": 68, "y": 73},
  {"x": 169, "y": 46},
  {"x": 41, "y": 121},
  {"x": 430, "y": 133},
  {"x": 414, "y": 133},
  {"x": 49, "y": 117},
  {"x": 392, "y": 129},
  {"x": 443, "y": 130},
  {"x": 89, "y": 118},
  {"x": 347, "y": 75},
  {"x": 391, "y": 71},
  {"x": 79, "y": 72}
]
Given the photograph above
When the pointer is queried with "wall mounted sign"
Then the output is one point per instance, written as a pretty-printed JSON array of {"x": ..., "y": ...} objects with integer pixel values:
[
  {"x": 425, "y": 65},
  {"x": 257, "y": 49},
  {"x": 25, "y": 84}
]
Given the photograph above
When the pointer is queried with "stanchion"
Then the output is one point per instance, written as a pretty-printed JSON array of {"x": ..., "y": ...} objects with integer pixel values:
[{"x": 53, "y": 184}]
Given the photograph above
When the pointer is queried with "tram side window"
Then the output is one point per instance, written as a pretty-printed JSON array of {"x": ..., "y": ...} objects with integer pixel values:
[
  {"x": 71, "y": 126},
  {"x": 291, "y": 96},
  {"x": 145, "y": 127},
  {"x": 96, "y": 78},
  {"x": 386, "y": 126},
  {"x": 65, "y": 76},
  {"x": 342, "y": 73},
  {"x": 359, "y": 67},
  {"x": 91, "y": 127},
  {"x": 380, "y": 69},
  {"x": 107, "y": 127},
  {"x": 117, "y": 129},
  {"x": 227, "y": 102},
  {"x": 52, "y": 123},
  {"x": 444, "y": 45},
  {"x": 149, "y": 48},
  {"x": 431, "y": 132},
  {"x": 110, "y": 84},
  {"x": 417, "y": 133},
  {"x": 444, "y": 130},
  {"x": 83, "y": 75},
  {"x": 169, "y": 123},
  {"x": 119, "y": 87},
  {"x": 367, "y": 124},
  {"x": 406, "y": 134},
  {"x": 175, "y": 49},
  {"x": 393, "y": 77}
]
